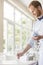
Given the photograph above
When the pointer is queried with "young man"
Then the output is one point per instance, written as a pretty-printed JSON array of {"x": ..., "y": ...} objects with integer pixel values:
[{"x": 36, "y": 9}]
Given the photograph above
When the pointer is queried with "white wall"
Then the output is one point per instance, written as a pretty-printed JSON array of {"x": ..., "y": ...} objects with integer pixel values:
[{"x": 1, "y": 25}]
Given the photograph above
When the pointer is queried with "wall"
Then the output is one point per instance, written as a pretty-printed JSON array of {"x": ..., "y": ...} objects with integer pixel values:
[{"x": 1, "y": 25}]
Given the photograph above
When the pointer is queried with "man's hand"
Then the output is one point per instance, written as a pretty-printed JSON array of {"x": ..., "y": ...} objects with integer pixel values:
[
  {"x": 19, "y": 54},
  {"x": 28, "y": 46},
  {"x": 37, "y": 37}
]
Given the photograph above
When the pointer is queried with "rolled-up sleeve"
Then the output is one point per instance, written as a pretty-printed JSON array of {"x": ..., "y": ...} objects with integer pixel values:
[{"x": 30, "y": 41}]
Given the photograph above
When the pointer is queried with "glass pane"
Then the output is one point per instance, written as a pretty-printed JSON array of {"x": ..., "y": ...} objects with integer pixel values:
[
  {"x": 17, "y": 16},
  {"x": 10, "y": 37},
  {"x": 8, "y": 11},
  {"x": 5, "y": 34},
  {"x": 24, "y": 35},
  {"x": 17, "y": 36},
  {"x": 5, "y": 29},
  {"x": 24, "y": 20},
  {"x": 29, "y": 23}
]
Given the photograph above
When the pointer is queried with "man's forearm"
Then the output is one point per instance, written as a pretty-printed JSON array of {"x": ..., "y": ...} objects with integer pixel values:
[
  {"x": 42, "y": 37},
  {"x": 26, "y": 49}
]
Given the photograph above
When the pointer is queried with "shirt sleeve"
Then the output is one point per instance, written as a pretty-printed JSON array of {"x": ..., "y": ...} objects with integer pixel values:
[{"x": 30, "y": 41}]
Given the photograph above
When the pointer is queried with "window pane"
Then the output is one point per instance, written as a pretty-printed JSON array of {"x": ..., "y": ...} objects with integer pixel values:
[
  {"x": 17, "y": 16},
  {"x": 10, "y": 38},
  {"x": 24, "y": 35},
  {"x": 5, "y": 29},
  {"x": 8, "y": 11},
  {"x": 17, "y": 36},
  {"x": 5, "y": 34},
  {"x": 29, "y": 23},
  {"x": 24, "y": 20}
]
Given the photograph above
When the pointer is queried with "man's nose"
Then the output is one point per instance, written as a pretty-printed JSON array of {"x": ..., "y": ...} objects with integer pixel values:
[{"x": 34, "y": 12}]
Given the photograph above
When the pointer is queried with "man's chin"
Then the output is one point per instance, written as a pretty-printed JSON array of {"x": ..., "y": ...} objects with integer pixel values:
[{"x": 35, "y": 16}]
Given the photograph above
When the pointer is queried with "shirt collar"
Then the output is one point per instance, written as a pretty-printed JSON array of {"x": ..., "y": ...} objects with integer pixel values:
[{"x": 40, "y": 18}]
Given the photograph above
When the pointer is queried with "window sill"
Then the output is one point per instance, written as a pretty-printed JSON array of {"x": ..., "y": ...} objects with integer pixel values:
[{"x": 17, "y": 62}]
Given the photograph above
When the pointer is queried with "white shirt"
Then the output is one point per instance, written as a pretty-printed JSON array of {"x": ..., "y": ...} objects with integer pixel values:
[{"x": 38, "y": 29}]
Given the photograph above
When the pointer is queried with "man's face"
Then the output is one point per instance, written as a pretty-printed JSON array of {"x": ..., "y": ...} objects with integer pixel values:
[{"x": 35, "y": 11}]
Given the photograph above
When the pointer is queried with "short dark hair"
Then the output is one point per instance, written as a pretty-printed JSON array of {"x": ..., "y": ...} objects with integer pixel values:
[{"x": 35, "y": 4}]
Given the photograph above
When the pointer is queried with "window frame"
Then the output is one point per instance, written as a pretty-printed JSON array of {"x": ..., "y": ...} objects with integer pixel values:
[{"x": 13, "y": 23}]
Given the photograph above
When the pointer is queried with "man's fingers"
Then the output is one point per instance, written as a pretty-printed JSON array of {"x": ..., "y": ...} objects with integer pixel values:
[{"x": 18, "y": 56}]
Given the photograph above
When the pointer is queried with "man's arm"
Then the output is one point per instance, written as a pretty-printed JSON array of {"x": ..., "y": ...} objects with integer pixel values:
[
  {"x": 38, "y": 37},
  {"x": 29, "y": 45},
  {"x": 42, "y": 37},
  {"x": 24, "y": 51},
  {"x": 26, "y": 48}
]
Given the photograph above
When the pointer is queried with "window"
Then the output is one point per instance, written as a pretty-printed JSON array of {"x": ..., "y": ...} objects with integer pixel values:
[
  {"x": 17, "y": 37},
  {"x": 17, "y": 17},
  {"x": 8, "y": 11},
  {"x": 17, "y": 28},
  {"x": 10, "y": 39}
]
